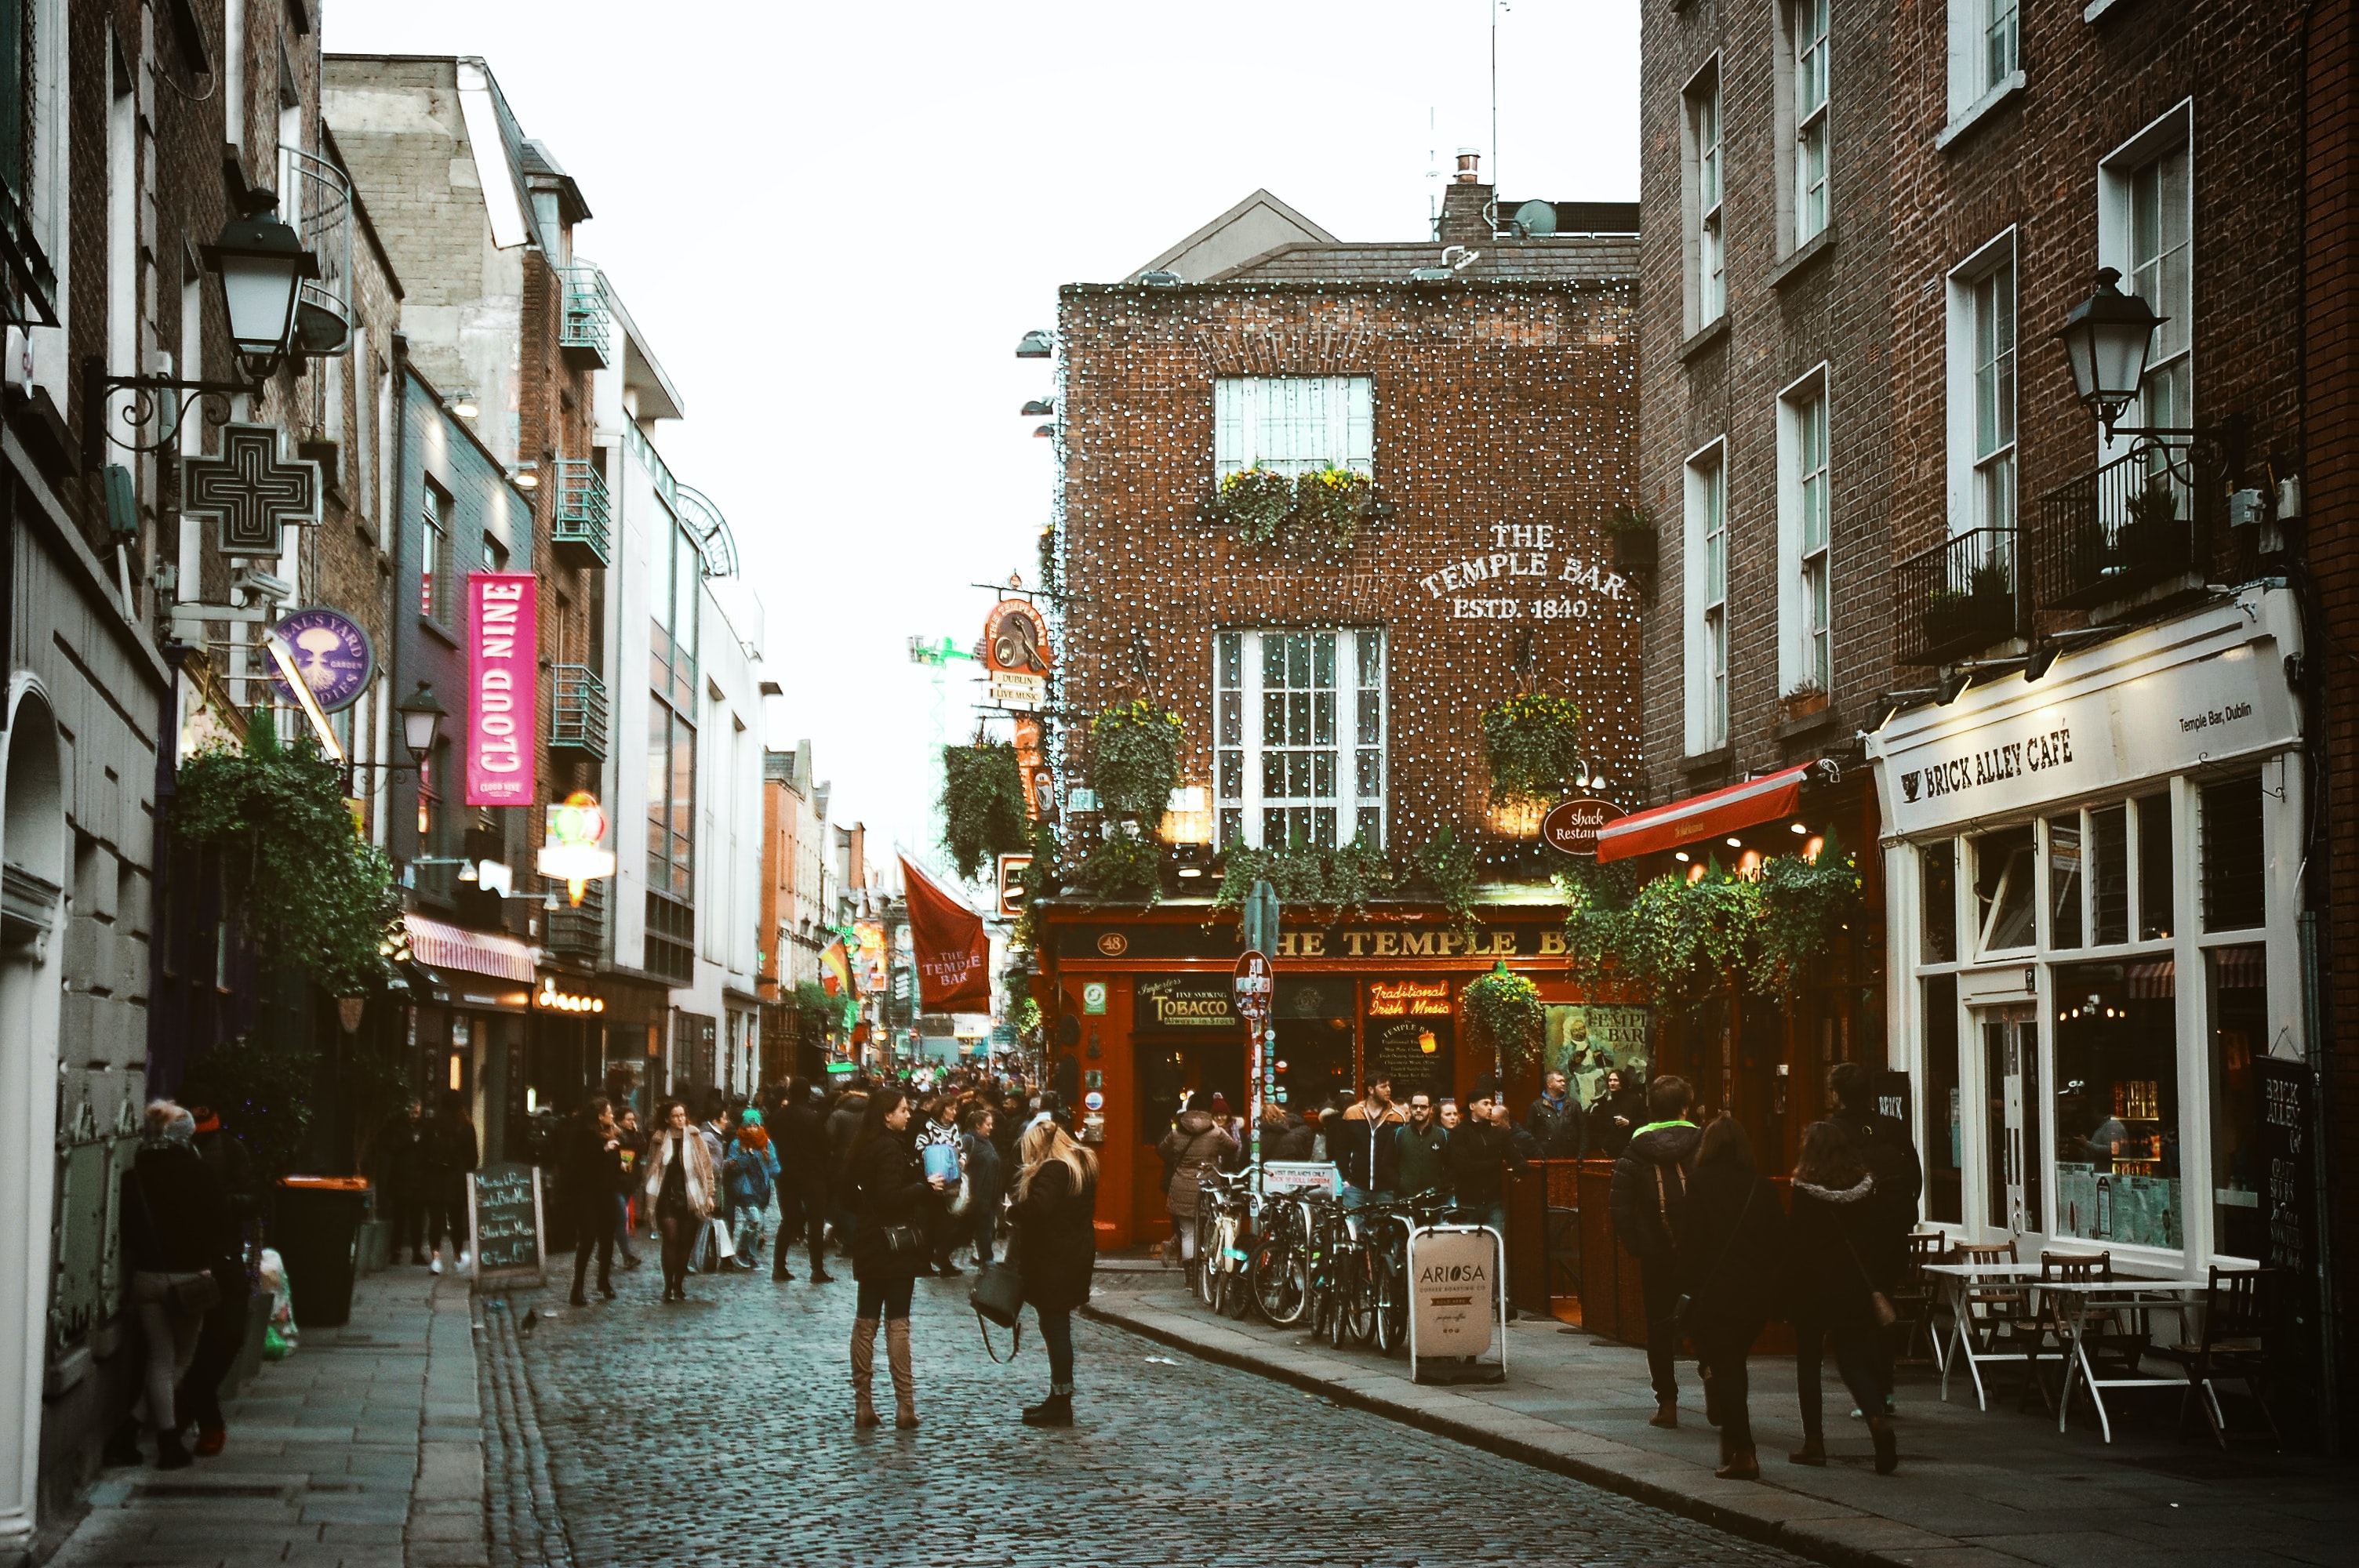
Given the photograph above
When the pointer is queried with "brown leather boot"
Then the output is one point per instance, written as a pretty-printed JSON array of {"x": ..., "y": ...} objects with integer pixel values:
[
  {"x": 863, "y": 1371},
  {"x": 1887, "y": 1444},
  {"x": 1667, "y": 1415},
  {"x": 1812, "y": 1452},
  {"x": 1741, "y": 1466},
  {"x": 904, "y": 1381}
]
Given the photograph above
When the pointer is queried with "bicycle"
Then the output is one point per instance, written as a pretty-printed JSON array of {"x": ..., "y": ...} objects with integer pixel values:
[
  {"x": 1282, "y": 1261},
  {"x": 1351, "y": 1305},
  {"x": 1390, "y": 1264},
  {"x": 1223, "y": 1224}
]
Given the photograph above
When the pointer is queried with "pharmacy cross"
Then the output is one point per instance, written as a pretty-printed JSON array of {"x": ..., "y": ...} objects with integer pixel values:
[{"x": 250, "y": 490}]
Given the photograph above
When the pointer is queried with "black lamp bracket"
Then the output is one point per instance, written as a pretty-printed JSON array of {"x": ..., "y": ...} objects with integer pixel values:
[
  {"x": 2191, "y": 454},
  {"x": 151, "y": 396}
]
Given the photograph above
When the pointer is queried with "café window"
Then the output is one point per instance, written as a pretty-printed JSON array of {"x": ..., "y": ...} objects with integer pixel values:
[
  {"x": 1938, "y": 873},
  {"x": 1945, "y": 1141},
  {"x": 2236, "y": 860},
  {"x": 2239, "y": 1029},
  {"x": 2005, "y": 897},
  {"x": 2153, "y": 888},
  {"x": 2117, "y": 1136},
  {"x": 1298, "y": 732}
]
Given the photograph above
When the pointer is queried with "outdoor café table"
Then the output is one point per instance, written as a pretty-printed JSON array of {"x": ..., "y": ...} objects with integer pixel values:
[
  {"x": 2079, "y": 1301},
  {"x": 1957, "y": 1278}
]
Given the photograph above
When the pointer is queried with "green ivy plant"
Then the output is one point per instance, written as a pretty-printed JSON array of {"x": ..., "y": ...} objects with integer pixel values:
[
  {"x": 1682, "y": 938},
  {"x": 1305, "y": 876},
  {"x": 984, "y": 813},
  {"x": 316, "y": 893},
  {"x": 1505, "y": 1009},
  {"x": 1449, "y": 867},
  {"x": 1333, "y": 502},
  {"x": 1123, "y": 867},
  {"x": 1135, "y": 760},
  {"x": 1255, "y": 501},
  {"x": 1534, "y": 741},
  {"x": 1803, "y": 907}
]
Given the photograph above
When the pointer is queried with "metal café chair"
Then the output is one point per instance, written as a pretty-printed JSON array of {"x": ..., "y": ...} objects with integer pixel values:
[
  {"x": 1994, "y": 1317},
  {"x": 2232, "y": 1345},
  {"x": 1915, "y": 1300},
  {"x": 2108, "y": 1337}
]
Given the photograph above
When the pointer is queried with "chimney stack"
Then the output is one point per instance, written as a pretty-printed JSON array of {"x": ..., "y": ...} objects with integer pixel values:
[
  {"x": 1465, "y": 216},
  {"x": 1469, "y": 166}
]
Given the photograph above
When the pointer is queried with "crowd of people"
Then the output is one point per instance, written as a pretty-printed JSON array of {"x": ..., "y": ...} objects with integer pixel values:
[
  {"x": 1720, "y": 1257},
  {"x": 901, "y": 1177}
]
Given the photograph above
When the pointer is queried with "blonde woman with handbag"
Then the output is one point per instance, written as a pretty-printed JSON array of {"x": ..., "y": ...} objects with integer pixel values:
[
  {"x": 680, "y": 1189},
  {"x": 177, "y": 1226},
  {"x": 1055, "y": 1249}
]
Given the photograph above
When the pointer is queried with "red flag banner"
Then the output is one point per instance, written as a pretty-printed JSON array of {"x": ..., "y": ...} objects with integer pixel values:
[{"x": 953, "y": 953}]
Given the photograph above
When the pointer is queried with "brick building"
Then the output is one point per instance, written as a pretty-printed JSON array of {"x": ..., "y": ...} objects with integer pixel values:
[
  {"x": 2088, "y": 725},
  {"x": 1484, "y": 380},
  {"x": 796, "y": 912}
]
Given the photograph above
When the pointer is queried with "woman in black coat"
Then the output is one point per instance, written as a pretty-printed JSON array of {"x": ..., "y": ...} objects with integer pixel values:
[
  {"x": 177, "y": 1236},
  {"x": 1055, "y": 1249},
  {"x": 1730, "y": 1237},
  {"x": 892, "y": 1205},
  {"x": 1836, "y": 1230}
]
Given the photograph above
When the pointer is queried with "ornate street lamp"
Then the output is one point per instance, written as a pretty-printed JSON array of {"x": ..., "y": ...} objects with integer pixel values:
[
  {"x": 2108, "y": 337},
  {"x": 421, "y": 721},
  {"x": 262, "y": 263}
]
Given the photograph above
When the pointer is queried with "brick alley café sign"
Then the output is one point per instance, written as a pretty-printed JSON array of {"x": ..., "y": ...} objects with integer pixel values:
[
  {"x": 502, "y": 693},
  {"x": 1521, "y": 573}
]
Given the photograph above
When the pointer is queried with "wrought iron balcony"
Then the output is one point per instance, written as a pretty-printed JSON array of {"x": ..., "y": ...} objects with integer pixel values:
[
  {"x": 579, "y": 529},
  {"x": 1958, "y": 597},
  {"x": 319, "y": 205},
  {"x": 585, "y": 335},
  {"x": 2116, "y": 531},
  {"x": 578, "y": 933},
  {"x": 577, "y": 721}
]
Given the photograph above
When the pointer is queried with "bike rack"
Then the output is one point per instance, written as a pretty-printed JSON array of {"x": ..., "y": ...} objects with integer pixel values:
[{"x": 1483, "y": 1371}]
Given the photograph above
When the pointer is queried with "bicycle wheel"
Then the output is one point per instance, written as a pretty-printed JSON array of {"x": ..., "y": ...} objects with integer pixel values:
[
  {"x": 1392, "y": 1307},
  {"x": 1281, "y": 1269},
  {"x": 1200, "y": 1267},
  {"x": 1359, "y": 1296},
  {"x": 1233, "y": 1288}
]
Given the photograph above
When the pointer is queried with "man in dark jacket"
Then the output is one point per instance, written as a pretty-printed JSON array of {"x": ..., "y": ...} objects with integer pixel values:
[
  {"x": 804, "y": 1192},
  {"x": 843, "y": 1127},
  {"x": 1420, "y": 1160},
  {"x": 1361, "y": 1143},
  {"x": 402, "y": 1149},
  {"x": 1554, "y": 1121},
  {"x": 1890, "y": 1156},
  {"x": 224, "y": 1335},
  {"x": 1481, "y": 1153},
  {"x": 1650, "y": 1184}
]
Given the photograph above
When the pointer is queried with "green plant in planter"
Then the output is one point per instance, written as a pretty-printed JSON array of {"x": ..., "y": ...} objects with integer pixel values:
[
  {"x": 1123, "y": 867},
  {"x": 1505, "y": 1009},
  {"x": 984, "y": 815},
  {"x": 1800, "y": 909},
  {"x": 1135, "y": 760},
  {"x": 1255, "y": 501},
  {"x": 1534, "y": 741},
  {"x": 315, "y": 894},
  {"x": 1333, "y": 502},
  {"x": 1989, "y": 580},
  {"x": 2144, "y": 539},
  {"x": 266, "y": 1089}
]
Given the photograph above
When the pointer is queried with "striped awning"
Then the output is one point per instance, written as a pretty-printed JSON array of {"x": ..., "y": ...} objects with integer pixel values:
[
  {"x": 446, "y": 947},
  {"x": 2155, "y": 981},
  {"x": 2241, "y": 969},
  {"x": 1700, "y": 817}
]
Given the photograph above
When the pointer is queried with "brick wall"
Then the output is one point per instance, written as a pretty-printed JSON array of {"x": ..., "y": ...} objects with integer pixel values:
[{"x": 1497, "y": 404}]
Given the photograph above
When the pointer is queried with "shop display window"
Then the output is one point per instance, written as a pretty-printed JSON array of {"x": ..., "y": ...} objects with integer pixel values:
[
  {"x": 2239, "y": 1029},
  {"x": 1313, "y": 1061},
  {"x": 2064, "y": 881},
  {"x": 2154, "y": 897},
  {"x": 2109, "y": 877},
  {"x": 2117, "y": 1173},
  {"x": 2235, "y": 862},
  {"x": 1945, "y": 1145},
  {"x": 1938, "y": 864},
  {"x": 2005, "y": 897}
]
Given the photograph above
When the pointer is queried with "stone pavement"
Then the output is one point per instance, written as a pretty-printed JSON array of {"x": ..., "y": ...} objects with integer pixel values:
[
  {"x": 365, "y": 1449},
  {"x": 1975, "y": 1490},
  {"x": 719, "y": 1432}
]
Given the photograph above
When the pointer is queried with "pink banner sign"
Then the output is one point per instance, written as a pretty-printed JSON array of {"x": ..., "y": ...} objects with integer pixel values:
[{"x": 503, "y": 693}]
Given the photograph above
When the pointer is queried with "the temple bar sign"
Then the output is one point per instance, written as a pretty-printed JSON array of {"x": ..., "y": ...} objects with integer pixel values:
[{"x": 1371, "y": 942}]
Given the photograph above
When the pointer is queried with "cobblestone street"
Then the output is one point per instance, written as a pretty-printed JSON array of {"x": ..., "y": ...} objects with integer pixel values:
[{"x": 720, "y": 1432}]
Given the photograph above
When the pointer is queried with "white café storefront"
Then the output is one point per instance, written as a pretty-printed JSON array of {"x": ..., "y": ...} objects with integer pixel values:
[{"x": 2093, "y": 890}]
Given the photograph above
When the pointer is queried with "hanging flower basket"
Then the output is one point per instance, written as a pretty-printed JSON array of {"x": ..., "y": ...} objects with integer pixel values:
[
  {"x": 1505, "y": 1009},
  {"x": 1632, "y": 536},
  {"x": 1534, "y": 743},
  {"x": 1332, "y": 503},
  {"x": 1135, "y": 760},
  {"x": 984, "y": 815},
  {"x": 1255, "y": 501}
]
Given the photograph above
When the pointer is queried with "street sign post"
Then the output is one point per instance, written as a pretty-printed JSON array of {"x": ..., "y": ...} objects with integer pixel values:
[{"x": 1254, "y": 986}]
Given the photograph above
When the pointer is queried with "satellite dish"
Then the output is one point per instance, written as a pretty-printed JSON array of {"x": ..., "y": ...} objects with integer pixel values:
[{"x": 1536, "y": 217}]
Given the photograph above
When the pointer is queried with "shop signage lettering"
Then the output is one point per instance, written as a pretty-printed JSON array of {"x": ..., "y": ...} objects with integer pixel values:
[
  {"x": 1522, "y": 556},
  {"x": 1570, "y": 826},
  {"x": 1177, "y": 1002},
  {"x": 331, "y": 653},
  {"x": 2053, "y": 750},
  {"x": 1410, "y": 998},
  {"x": 503, "y": 696},
  {"x": 1524, "y": 939}
]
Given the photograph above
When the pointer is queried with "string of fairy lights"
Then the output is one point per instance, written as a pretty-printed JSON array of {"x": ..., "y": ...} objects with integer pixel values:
[{"x": 1497, "y": 402}]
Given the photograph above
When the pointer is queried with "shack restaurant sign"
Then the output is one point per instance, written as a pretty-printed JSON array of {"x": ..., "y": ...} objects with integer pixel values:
[
  {"x": 2010, "y": 756},
  {"x": 1570, "y": 826},
  {"x": 503, "y": 693}
]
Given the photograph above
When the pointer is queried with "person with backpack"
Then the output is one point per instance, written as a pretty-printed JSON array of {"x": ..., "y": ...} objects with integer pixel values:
[
  {"x": 1731, "y": 1239},
  {"x": 1887, "y": 1153},
  {"x": 1649, "y": 1191}
]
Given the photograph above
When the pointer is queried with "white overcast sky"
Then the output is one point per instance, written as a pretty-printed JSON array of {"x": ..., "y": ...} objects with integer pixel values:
[{"x": 835, "y": 220}]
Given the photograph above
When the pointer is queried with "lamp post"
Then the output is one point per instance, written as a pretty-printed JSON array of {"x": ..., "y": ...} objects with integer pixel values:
[
  {"x": 421, "y": 722},
  {"x": 2108, "y": 337}
]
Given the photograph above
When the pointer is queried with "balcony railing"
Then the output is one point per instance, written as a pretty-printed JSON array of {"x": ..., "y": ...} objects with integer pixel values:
[
  {"x": 2116, "y": 531},
  {"x": 577, "y": 722},
  {"x": 585, "y": 335},
  {"x": 579, "y": 530},
  {"x": 319, "y": 205},
  {"x": 1958, "y": 597},
  {"x": 578, "y": 933}
]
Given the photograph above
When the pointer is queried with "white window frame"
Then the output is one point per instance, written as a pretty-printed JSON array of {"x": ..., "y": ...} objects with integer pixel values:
[
  {"x": 1242, "y": 797},
  {"x": 1705, "y": 514},
  {"x": 1293, "y": 424},
  {"x": 2168, "y": 134},
  {"x": 1983, "y": 487},
  {"x": 1805, "y": 117},
  {"x": 1704, "y": 185},
  {"x": 1986, "y": 56},
  {"x": 1806, "y": 555}
]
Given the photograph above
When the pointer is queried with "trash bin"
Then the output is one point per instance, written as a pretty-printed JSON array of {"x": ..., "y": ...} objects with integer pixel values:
[{"x": 317, "y": 1231}]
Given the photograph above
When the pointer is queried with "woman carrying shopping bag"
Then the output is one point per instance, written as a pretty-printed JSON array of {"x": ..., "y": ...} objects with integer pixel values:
[{"x": 680, "y": 1189}]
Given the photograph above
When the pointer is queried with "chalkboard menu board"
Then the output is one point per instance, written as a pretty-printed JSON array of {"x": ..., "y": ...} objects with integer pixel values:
[
  {"x": 1419, "y": 1054},
  {"x": 504, "y": 1218},
  {"x": 2287, "y": 1165}
]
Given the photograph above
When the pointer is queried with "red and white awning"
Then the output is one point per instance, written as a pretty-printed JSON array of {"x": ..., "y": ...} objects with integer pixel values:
[
  {"x": 1701, "y": 816},
  {"x": 440, "y": 945}
]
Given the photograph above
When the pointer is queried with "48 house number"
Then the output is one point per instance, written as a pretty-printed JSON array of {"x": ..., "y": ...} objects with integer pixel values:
[{"x": 1520, "y": 560}]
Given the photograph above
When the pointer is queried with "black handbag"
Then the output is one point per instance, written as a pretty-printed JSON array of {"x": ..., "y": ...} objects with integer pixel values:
[
  {"x": 902, "y": 1241},
  {"x": 997, "y": 1296}
]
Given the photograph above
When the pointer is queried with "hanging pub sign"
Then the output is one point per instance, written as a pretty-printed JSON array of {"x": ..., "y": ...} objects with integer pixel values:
[
  {"x": 331, "y": 653},
  {"x": 1016, "y": 656},
  {"x": 502, "y": 693},
  {"x": 1039, "y": 784},
  {"x": 953, "y": 953},
  {"x": 572, "y": 851},
  {"x": 1571, "y": 826}
]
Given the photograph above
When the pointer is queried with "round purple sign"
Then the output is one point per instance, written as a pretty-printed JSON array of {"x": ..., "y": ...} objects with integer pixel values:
[{"x": 332, "y": 654}]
